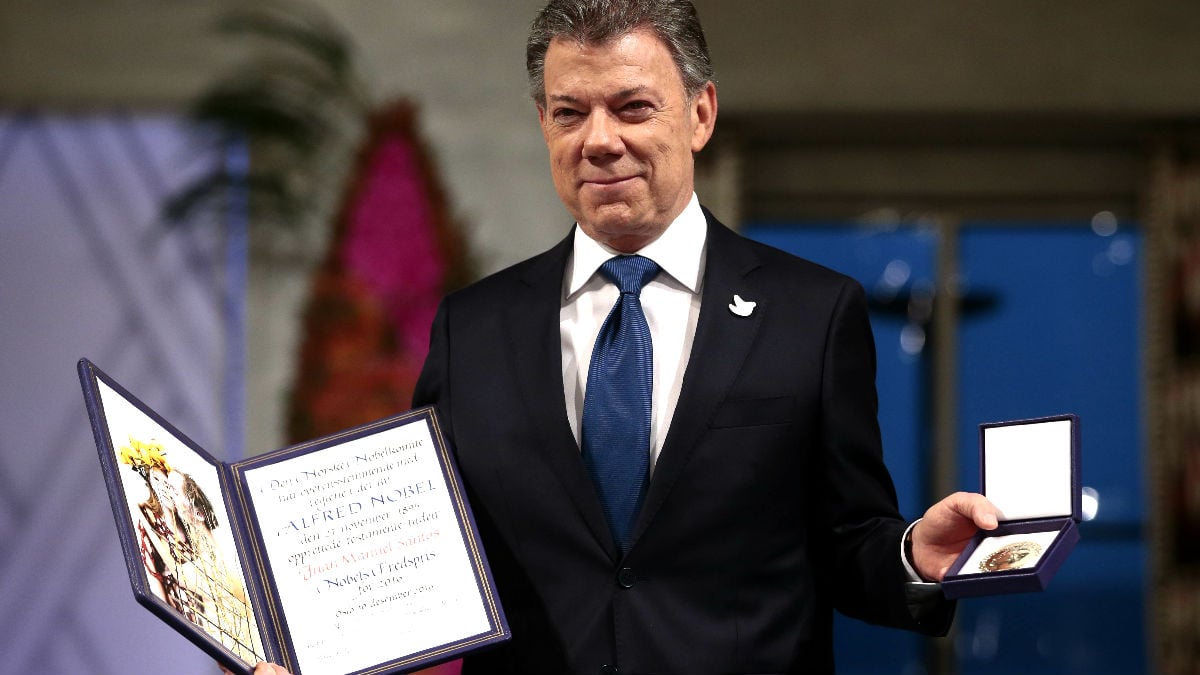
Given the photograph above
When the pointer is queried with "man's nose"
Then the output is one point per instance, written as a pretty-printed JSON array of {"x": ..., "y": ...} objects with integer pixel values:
[{"x": 602, "y": 136}]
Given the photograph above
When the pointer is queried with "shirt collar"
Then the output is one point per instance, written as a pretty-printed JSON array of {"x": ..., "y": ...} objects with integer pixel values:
[{"x": 678, "y": 251}]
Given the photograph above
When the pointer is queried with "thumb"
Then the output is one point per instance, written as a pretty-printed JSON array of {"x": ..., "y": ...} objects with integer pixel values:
[{"x": 982, "y": 512}]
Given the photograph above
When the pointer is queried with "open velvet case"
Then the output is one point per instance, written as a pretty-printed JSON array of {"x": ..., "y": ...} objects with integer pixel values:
[{"x": 1030, "y": 472}]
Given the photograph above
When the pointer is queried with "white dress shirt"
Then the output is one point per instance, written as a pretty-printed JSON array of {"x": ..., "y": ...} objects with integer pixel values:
[{"x": 671, "y": 302}]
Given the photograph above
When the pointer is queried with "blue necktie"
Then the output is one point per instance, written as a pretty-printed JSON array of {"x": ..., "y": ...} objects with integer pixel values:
[{"x": 616, "y": 405}]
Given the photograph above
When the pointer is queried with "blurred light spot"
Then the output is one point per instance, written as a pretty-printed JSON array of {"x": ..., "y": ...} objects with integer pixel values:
[
  {"x": 1120, "y": 252},
  {"x": 912, "y": 339},
  {"x": 920, "y": 302},
  {"x": 1090, "y": 502},
  {"x": 926, "y": 223},
  {"x": 885, "y": 219},
  {"x": 1104, "y": 223},
  {"x": 896, "y": 273}
]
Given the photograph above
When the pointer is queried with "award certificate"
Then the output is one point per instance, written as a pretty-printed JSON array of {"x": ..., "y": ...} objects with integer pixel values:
[{"x": 353, "y": 553}]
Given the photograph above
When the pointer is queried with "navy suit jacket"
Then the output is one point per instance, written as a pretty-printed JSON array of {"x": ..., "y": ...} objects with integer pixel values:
[{"x": 769, "y": 506}]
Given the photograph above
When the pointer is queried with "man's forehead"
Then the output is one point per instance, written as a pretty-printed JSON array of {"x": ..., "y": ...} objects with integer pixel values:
[{"x": 639, "y": 58}]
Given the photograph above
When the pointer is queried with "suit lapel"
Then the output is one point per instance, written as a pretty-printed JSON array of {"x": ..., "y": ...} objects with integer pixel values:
[
  {"x": 533, "y": 329},
  {"x": 721, "y": 344}
]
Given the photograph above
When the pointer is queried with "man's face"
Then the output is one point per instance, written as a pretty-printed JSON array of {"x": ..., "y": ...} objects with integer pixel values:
[{"x": 621, "y": 134}]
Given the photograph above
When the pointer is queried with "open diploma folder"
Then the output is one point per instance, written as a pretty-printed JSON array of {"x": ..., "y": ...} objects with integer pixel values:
[{"x": 354, "y": 553}]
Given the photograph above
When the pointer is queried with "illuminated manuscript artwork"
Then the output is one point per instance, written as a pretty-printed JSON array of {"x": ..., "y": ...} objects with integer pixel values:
[{"x": 177, "y": 526}]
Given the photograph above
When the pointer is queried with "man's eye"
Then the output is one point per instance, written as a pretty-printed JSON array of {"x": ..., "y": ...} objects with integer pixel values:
[
  {"x": 636, "y": 109},
  {"x": 565, "y": 115}
]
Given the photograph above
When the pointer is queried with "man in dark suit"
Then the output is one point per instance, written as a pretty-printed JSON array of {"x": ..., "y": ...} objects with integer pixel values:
[
  {"x": 765, "y": 502},
  {"x": 751, "y": 497}
]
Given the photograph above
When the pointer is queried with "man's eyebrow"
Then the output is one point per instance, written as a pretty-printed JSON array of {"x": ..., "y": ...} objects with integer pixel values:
[
  {"x": 633, "y": 91},
  {"x": 624, "y": 93}
]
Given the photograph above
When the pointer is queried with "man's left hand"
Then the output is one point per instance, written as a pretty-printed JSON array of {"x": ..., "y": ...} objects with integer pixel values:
[{"x": 947, "y": 527}]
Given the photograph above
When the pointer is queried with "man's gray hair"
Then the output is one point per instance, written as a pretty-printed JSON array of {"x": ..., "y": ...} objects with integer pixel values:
[{"x": 600, "y": 21}]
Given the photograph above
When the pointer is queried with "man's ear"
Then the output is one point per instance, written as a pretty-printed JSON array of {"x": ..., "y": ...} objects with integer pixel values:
[{"x": 704, "y": 116}]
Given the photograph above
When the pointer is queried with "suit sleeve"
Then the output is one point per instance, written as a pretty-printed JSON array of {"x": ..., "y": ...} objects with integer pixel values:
[
  {"x": 433, "y": 385},
  {"x": 863, "y": 525}
]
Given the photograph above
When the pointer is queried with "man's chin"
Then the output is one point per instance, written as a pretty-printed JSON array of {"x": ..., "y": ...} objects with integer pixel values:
[{"x": 622, "y": 231}]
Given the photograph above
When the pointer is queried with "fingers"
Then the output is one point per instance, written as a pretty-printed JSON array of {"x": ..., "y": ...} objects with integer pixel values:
[{"x": 974, "y": 507}]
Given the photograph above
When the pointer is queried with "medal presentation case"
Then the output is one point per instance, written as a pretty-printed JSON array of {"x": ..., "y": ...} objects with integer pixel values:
[{"x": 1030, "y": 472}]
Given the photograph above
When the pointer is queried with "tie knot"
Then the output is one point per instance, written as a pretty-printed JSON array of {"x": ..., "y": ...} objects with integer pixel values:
[{"x": 629, "y": 272}]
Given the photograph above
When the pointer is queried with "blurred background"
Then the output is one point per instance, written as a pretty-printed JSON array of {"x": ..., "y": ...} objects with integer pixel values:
[{"x": 246, "y": 212}]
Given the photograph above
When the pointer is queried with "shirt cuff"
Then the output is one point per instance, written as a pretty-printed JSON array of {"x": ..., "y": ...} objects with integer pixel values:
[
  {"x": 924, "y": 598},
  {"x": 906, "y": 557}
]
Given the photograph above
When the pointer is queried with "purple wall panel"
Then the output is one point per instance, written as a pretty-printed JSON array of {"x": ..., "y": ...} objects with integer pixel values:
[{"x": 87, "y": 268}]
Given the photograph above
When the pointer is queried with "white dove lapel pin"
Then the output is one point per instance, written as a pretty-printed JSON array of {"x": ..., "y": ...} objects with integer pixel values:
[{"x": 742, "y": 307}]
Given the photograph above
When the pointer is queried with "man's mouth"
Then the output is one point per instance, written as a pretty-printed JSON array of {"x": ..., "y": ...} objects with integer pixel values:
[{"x": 607, "y": 180}]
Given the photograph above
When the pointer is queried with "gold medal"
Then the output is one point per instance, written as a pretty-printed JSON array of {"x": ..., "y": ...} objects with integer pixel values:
[{"x": 1012, "y": 557}]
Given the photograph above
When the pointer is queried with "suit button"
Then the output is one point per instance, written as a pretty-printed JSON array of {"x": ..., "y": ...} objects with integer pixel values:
[
  {"x": 609, "y": 670},
  {"x": 626, "y": 578}
]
